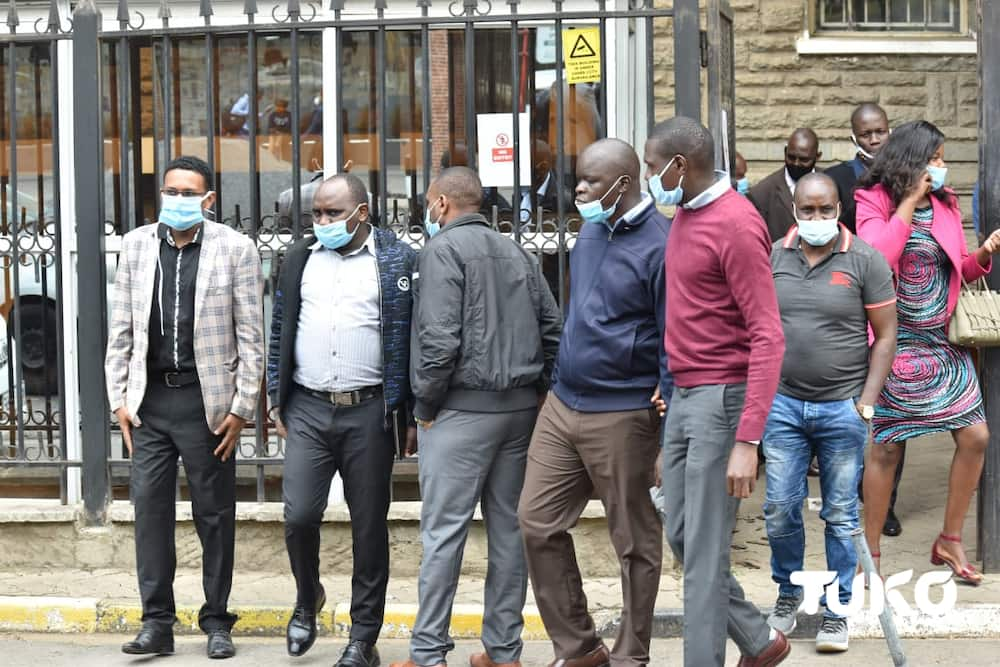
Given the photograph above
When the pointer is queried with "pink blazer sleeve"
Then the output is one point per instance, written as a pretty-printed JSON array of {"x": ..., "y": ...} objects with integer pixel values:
[{"x": 878, "y": 224}]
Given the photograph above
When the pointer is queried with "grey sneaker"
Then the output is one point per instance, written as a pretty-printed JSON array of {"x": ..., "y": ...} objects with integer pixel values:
[
  {"x": 832, "y": 635},
  {"x": 782, "y": 618}
]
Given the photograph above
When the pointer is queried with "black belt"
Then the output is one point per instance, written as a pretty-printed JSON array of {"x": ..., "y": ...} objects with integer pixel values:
[
  {"x": 176, "y": 380},
  {"x": 345, "y": 399}
]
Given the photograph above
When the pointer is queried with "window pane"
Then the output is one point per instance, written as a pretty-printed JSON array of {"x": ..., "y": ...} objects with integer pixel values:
[
  {"x": 833, "y": 12},
  {"x": 874, "y": 11},
  {"x": 942, "y": 12}
]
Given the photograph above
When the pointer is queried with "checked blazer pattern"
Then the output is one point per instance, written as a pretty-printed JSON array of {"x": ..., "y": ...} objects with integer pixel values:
[{"x": 228, "y": 322}]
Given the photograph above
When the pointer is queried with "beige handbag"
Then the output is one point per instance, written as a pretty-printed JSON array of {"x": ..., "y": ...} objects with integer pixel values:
[{"x": 976, "y": 320}]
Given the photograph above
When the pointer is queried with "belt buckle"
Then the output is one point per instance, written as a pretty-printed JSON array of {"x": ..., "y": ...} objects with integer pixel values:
[
  {"x": 344, "y": 399},
  {"x": 171, "y": 383}
]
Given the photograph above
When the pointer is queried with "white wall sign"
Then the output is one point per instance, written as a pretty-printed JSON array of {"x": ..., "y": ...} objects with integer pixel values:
[{"x": 496, "y": 149}]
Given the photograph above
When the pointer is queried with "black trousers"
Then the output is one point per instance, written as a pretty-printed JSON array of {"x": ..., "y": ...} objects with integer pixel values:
[
  {"x": 173, "y": 424},
  {"x": 324, "y": 439}
]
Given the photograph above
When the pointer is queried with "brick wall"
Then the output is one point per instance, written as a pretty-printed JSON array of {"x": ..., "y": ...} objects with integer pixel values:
[{"x": 778, "y": 90}]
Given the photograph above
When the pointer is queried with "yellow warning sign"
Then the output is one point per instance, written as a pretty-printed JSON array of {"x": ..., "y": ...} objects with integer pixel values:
[{"x": 582, "y": 54}]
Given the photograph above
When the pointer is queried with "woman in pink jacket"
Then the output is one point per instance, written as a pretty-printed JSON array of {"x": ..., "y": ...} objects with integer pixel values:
[{"x": 905, "y": 211}]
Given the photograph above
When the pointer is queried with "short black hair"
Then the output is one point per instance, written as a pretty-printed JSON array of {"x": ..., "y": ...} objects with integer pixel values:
[
  {"x": 355, "y": 187},
  {"x": 462, "y": 186},
  {"x": 685, "y": 136},
  {"x": 192, "y": 163},
  {"x": 867, "y": 107}
]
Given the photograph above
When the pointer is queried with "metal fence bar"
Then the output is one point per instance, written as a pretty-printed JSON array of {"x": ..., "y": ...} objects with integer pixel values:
[
  {"x": 425, "y": 65},
  {"x": 687, "y": 59},
  {"x": 382, "y": 124},
  {"x": 470, "y": 83},
  {"x": 16, "y": 229},
  {"x": 515, "y": 99},
  {"x": 296, "y": 119},
  {"x": 407, "y": 22},
  {"x": 650, "y": 96},
  {"x": 212, "y": 147},
  {"x": 560, "y": 155},
  {"x": 989, "y": 184},
  {"x": 92, "y": 329},
  {"x": 57, "y": 215}
]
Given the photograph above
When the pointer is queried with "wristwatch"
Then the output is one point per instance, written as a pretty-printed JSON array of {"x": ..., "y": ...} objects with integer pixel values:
[{"x": 867, "y": 412}]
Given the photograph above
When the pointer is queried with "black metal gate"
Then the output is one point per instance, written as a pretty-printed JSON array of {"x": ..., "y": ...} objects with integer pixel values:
[{"x": 268, "y": 95}]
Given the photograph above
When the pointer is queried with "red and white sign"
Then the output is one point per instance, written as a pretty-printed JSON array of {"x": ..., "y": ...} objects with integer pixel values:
[{"x": 496, "y": 149}]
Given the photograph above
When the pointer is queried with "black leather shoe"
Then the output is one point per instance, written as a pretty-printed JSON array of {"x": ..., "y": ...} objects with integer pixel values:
[
  {"x": 220, "y": 644},
  {"x": 301, "y": 631},
  {"x": 151, "y": 640},
  {"x": 359, "y": 654},
  {"x": 892, "y": 527}
]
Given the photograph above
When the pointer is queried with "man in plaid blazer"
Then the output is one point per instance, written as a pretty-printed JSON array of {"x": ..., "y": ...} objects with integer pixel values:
[{"x": 184, "y": 365}]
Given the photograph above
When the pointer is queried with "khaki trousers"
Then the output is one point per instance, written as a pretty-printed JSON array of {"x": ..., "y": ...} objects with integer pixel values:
[{"x": 572, "y": 456}]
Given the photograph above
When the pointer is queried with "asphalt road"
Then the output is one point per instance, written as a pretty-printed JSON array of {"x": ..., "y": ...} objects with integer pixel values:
[{"x": 103, "y": 651}]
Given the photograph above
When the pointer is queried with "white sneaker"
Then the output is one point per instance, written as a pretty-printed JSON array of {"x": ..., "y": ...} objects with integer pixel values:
[{"x": 832, "y": 635}]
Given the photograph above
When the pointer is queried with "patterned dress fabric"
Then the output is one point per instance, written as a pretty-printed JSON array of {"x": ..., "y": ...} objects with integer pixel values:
[{"x": 932, "y": 386}]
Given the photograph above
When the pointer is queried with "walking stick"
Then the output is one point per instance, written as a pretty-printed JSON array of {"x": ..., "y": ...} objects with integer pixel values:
[{"x": 885, "y": 618}]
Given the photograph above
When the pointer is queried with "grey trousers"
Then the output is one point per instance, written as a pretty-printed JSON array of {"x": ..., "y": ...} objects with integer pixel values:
[
  {"x": 699, "y": 434},
  {"x": 468, "y": 458}
]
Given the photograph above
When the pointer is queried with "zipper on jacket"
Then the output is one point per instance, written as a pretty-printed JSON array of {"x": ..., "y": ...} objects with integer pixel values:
[{"x": 381, "y": 322}]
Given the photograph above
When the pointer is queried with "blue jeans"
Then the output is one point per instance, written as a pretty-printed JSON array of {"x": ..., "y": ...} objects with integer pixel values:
[{"x": 835, "y": 432}]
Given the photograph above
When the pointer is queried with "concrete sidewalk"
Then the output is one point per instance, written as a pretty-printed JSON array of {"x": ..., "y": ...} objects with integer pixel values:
[{"x": 106, "y": 600}]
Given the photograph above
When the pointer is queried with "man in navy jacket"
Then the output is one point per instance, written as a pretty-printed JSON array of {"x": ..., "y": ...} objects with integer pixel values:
[
  {"x": 598, "y": 431},
  {"x": 337, "y": 370}
]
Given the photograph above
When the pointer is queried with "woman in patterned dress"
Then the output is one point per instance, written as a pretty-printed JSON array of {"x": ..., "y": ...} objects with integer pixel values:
[{"x": 904, "y": 210}]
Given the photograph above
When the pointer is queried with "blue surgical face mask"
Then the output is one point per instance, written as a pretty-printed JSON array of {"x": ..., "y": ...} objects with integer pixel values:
[
  {"x": 432, "y": 227},
  {"x": 938, "y": 176},
  {"x": 743, "y": 185},
  {"x": 594, "y": 211},
  {"x": 182, "y": 213},
  {"x": 818, "y": 233},
  {"x": 334, "y": 234},
  {"x": 666, "y": 197}
]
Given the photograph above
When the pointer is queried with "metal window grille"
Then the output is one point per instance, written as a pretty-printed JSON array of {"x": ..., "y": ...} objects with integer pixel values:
[{"x": 890, "y": 15}]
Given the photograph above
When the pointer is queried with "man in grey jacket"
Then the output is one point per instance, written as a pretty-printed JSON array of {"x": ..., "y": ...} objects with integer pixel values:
[{"x": 484, "y": 341}]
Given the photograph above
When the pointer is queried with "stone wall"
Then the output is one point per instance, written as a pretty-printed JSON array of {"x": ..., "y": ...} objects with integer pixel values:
[{"x": 778, "y": 90}]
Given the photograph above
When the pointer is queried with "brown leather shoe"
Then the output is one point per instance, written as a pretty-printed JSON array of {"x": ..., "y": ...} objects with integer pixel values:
[
  {"x": 484, "y": 660},
  {"x": 774, "y": 654},
  {"x": 410, "y": 663},
  {"x": 599, "y": 657}
]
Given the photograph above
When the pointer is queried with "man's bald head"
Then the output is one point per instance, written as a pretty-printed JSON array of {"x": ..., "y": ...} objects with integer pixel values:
[
  {"x": 867, "y": 110},
  {"x": 456, "y": 191},
  {"x": 614, "y": 154},
  {"x": 816, "y": 197},
  {"x": 682, "y": 136},
  {"x": 801, "y": 153},
  {"x": 355, "y": 188},
  {"x": 869, "y": 129},
  {"x": 804, "y": 136}
]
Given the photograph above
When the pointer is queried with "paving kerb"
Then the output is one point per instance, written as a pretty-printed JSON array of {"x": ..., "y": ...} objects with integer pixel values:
[{"x": 105, "y": 600}]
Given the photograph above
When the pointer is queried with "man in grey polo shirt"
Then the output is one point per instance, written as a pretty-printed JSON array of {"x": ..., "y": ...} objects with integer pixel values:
[{"x": 831, "y": 287}]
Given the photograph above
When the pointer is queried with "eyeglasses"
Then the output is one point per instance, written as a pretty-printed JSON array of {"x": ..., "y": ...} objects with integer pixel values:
[{"x": 174, "y": 192}]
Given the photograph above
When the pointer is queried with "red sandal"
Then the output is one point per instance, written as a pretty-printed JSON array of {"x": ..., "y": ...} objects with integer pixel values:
[{"x": 967, "y": 574}]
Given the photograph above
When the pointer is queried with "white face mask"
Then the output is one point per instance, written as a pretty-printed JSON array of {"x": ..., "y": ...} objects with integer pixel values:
[
  {"x": 868, "y": 156},
  {"x": 818, "y": 233}
]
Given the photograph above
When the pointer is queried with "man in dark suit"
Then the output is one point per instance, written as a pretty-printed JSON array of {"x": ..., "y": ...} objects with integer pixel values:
[
  {"x": 773, "y": 196},
  {"x": 337, "y": 370},
  {"x": 869, "y": 132}
]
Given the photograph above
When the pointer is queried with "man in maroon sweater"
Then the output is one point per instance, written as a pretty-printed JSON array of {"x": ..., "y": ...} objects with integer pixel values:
[{"x": 724, "y": 346}]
